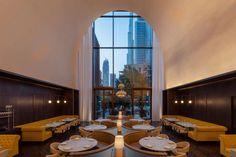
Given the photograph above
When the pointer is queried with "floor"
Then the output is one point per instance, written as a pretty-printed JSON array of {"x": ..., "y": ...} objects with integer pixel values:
[{"x": 197, "y": 149}]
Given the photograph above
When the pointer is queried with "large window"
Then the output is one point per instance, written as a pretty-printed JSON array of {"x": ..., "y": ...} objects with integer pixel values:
[{"x": 122, "y": 53}]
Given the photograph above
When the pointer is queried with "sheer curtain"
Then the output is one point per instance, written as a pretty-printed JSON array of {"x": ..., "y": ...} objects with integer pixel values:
[
  {"x": 85, "y": 77},
  {"x": 157, "y": 79}
]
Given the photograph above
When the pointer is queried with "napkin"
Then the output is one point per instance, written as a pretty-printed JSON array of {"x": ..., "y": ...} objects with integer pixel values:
[
  {"x": 167, "y": 147},
  {"x": 66, "y": 148},
  {"x": 149, "y": 145},
  {"x": 87, "y": 146}
]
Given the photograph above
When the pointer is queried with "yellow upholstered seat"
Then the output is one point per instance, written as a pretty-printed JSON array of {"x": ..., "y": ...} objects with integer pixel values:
[
  {"x": 204, "y": 131},
  {"x": 37, "y": 131},
  {"x": 226, "y": 143},
  {"x": 10, "y": 142}
]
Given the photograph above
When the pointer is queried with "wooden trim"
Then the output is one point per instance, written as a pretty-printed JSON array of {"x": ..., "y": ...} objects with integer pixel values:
[
  {"x": 29, "y": 80},
  {"x": 210, "y": 80}
]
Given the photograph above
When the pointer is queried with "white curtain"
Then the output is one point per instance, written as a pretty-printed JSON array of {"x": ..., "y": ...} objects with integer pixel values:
[
  {"x": 157, "y": 79},
  {"x": 85, "y": 77}
]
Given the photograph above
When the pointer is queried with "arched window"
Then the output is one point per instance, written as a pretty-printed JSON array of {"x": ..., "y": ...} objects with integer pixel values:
[{"x": 122, "y": 53}]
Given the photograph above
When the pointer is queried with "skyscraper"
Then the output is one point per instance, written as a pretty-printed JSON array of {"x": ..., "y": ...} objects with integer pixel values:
[
  {"x": 96, "y": 62},
  {"x": 130, "y": 54},
  {"x": 105, "y": 72},
  {"x": 112, "y": 80},
  {"x": 143, "y": 38}
]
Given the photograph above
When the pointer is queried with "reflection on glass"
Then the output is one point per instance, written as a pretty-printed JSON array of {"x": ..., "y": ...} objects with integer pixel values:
[
  {"x": 122, "y": 29},
  {"x": 122, "y": 53},
  {"x": 104, "y": 36}
]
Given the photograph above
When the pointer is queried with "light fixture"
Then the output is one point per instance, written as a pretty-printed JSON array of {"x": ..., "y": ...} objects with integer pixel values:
[
  {"x": 49, "y": 101},
  {"x": 119, "y": 126},
  {"x": 121, "y": 93},
  {"x": 58, "y": 101},
  {"x": 120, "y": 115},
  {"x": 190, "y": 101},
  {"x": 119, "y": 145},
  {"x": 176, "y": 102},
  {"x": 65, "y": 101},
  {"x": 182, "y": 101}
]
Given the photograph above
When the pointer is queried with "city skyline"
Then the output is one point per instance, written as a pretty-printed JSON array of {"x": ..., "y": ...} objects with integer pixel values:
[{"x": 136, "y": 32}]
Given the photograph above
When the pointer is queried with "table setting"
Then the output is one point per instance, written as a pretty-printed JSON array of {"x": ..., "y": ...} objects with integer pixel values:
[
  {"x": 103, "y": 120},
  {"x": 172, "y": 119},
  {"x": 54, "y": 124},
  {"x": 157, "y": 144},
  {"x": 143, "y": 127},
  {"x": 77, "y": 145},
  {"x": 186, "y": 124},
  {"x": 137, "y": 120},
  {"x": 68, "y": 119},
  {"x": 95, "y": 127}
]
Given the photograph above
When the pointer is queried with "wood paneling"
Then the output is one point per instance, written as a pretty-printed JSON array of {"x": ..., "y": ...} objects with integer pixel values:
[
  {"x": 30, "y": 97},
  {"x": 212, "y": 100}
]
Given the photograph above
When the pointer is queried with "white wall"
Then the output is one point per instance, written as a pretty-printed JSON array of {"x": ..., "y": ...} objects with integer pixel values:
[
  {"x": 37, "y": 38},
  {"x": 41, "y": 39}
]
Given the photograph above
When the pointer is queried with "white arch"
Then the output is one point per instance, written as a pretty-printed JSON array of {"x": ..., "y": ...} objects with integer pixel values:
[{"x": 157, "y": 79}]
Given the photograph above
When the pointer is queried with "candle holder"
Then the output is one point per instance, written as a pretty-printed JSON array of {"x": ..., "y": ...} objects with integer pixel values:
[
  {"x": 119, "y": 127},
  {"x": 119, "y": 145}
]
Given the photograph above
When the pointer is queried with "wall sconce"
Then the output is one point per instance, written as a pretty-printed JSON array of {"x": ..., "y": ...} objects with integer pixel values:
[
  {"x": 49, "y": 101},
  {"x": 119, "y": 126},
  {"x": 176, "y": 102},
  {"x": 182, "y": 101},
  {"x": 65, "y": 101},
  {"x": 190, "y": 101},
  {"x": 58, "y": 101},
  {"x": 119, "y": 145}
]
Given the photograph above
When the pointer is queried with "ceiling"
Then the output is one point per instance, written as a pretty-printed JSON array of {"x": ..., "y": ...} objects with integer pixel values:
[{"x": 197, "y": 37}]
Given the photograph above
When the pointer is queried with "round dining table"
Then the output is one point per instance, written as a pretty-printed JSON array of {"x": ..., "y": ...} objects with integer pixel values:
[
  {"x": 103, "y": 120},
  {"x": 143, "y": 127},
  {"x": 157, "y": 144},
  {"x": 77, "y": 145},
  {"x": 137, "y": 120},
  {"x": 95, "y": 127}
]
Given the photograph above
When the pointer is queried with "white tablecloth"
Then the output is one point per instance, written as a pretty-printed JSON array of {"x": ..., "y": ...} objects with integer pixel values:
[
  {"x": 95, "y": 127},
  {"x": 77, "y": 145},
  {"x": 137, "y": 120},
  {"x": 143, "y": 127},
  {"x": 54, "y": 124},
  {"x": 186, "y": 124},
  {"x": 157, "y": 143},
  {"x": 172, "y": 119},
  {"x": 68, "y": 119},
  {"x": 103, "y": 120}
]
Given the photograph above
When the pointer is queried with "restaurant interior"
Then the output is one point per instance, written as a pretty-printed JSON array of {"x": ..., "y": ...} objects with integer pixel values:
[{"x": 117, "y": 78}]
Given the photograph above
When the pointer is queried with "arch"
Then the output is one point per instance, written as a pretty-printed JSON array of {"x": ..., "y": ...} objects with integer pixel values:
[{"x": 89, "y": 23}]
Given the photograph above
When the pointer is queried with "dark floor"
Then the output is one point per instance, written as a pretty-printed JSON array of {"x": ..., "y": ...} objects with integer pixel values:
[{"x": 197, "y": 149}]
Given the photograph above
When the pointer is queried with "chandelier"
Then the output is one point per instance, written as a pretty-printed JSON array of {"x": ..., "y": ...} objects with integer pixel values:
[{"x": 121, "y": 93}]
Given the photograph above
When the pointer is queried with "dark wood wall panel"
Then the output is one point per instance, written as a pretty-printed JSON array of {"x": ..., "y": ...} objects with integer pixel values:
[
  {"x": 213, "y": 100},
  {"x": 30, "y": 98}
]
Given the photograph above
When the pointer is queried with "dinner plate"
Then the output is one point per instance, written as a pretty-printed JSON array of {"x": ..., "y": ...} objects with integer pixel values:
[
  {"x": 67, "y": 148},
  {"x": 63, "y": 143},
  {"x": 149, "y": 145},
  {"x": 87, "y": 146}
]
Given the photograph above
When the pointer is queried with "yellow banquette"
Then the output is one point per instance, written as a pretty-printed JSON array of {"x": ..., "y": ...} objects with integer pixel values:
[
  {"x": 10, "y": 142},
  {"x": 203, "y": 131},
  {"x": 37, "y": 131},
  {"x": 227, "y": 143}
]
